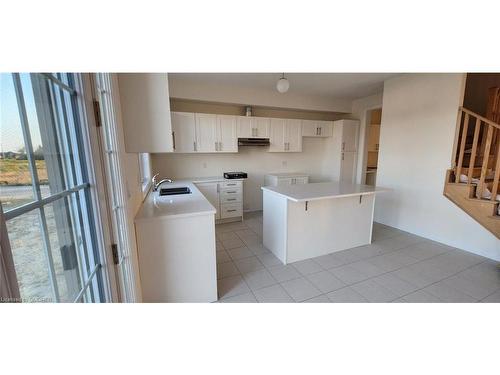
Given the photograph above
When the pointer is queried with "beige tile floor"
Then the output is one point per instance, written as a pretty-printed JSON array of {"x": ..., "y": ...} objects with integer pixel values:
[{"x": 396, "y": 267}]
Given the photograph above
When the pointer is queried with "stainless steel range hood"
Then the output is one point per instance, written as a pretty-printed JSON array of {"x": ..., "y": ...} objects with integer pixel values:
[{"x": 253, "y": 141}]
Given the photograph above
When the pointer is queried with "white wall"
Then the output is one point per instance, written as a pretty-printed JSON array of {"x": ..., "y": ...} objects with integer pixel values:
[
  {"x": 416, "y": 141},
  {"x": 360, "y": 107},
  {"x": 256, "y": 161}
]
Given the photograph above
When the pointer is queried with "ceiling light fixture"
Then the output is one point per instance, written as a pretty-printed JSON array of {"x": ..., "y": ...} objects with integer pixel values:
[{"x": 283, "y": 85}]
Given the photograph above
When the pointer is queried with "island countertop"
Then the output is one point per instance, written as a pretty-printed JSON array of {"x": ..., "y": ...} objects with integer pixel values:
[{"x": 322, "y": 190}]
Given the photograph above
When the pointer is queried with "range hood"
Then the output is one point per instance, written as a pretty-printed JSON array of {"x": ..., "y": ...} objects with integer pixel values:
[{"x": 253, "y": 141}]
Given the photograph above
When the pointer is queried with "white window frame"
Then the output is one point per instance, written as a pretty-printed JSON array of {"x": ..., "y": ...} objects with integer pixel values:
[
  {"x": 145, "y": 172},
  {"x": 98, "y": 265}
]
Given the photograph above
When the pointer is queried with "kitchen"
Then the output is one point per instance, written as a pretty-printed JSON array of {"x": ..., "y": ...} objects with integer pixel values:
[{"x": 208, "y": 144}]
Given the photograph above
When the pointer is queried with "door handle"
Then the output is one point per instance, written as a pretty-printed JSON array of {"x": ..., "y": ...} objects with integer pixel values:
[{"x": 173, "y": 139}]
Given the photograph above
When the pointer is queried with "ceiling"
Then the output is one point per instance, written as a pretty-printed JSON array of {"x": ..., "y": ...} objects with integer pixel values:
[{"x": 348, "y": 86}]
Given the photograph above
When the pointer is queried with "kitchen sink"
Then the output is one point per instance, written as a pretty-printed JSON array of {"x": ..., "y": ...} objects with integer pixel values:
[{"x": 175, "y": 191}]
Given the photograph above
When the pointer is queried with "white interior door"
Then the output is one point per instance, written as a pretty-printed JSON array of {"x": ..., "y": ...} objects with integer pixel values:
[
  {"x": 183, "y": 131},
  {"x": 206, "y": 132},
  {"x": 227, "y": 138}
]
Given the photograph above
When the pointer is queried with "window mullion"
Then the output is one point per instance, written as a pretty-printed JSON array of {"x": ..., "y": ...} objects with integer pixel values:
[{"x": 36, "y": 183}]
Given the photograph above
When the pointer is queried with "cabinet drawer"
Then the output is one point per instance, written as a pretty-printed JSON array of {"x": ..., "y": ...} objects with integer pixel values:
[
  {"x": 228, "y": 184},
  {"x": 233, "y": 198},
  {"x": 231, "y": 210},
  {"x": 230, "y": 195}
]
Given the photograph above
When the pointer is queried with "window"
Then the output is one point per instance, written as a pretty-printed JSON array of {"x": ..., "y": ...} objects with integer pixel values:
[{"x": 45, "y": 190}]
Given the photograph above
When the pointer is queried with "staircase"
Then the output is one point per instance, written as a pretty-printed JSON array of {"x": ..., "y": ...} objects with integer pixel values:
[{"x": 472, "y": 183}]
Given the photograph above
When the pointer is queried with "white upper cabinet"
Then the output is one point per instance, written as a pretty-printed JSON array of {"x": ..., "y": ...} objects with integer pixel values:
[
  {"x": 285, "y": 135},
  {"x": 293, "y": 136},
  {"x": 253, "y": 127},
  {"x": 183, "y": 132},
  {"x": 315, "y": 128},
  {"x": 227, "y": 140},
  {"x": 261, "y": 127},
  {"x": 145, "y": 109},
  {"x": 206, "y": 132},
  {"x": 277, "y": 135}
]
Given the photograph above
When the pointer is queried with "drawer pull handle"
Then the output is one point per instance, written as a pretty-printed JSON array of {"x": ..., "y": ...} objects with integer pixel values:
[
  {"x": 231, "y": 210},
  {"x": 231, "y": 199},
  {"x": 231, "y": 192}
]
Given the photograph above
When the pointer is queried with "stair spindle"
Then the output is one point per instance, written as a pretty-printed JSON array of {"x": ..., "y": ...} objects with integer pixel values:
[
  {"x": 472, "y": 161},
  {"x": 486, "y": 158},
  {"x": 462, "y": 148}
]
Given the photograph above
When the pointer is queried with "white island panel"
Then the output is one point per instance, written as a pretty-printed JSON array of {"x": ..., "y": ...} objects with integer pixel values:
[{"x": 328, "y": 225}]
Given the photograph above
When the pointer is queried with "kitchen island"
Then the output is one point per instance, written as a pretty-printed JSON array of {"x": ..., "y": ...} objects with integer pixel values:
[{"x": 306, "y": 221}]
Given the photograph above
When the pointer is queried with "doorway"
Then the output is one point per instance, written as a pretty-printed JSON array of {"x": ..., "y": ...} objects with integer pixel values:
[{"x": 372, "y": 146}]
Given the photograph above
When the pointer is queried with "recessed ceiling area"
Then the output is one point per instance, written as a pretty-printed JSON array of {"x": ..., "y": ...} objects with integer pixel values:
[
  {"x": 312, "y": 91},
  {"x": 333, "y": 85}
]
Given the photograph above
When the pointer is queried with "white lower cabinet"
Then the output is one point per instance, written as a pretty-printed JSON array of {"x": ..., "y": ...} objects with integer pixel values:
[
  {"x": 211, "y": 191},
  {"x": 226, "y": 196},
  {"x": 281, "y": 179}
]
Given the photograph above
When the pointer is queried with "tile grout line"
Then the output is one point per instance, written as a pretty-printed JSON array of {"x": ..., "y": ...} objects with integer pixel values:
[{"x": 370, "y": 278}]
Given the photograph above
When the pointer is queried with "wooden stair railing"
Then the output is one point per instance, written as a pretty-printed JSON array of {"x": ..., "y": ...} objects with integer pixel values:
[{"x": 484, "y": 149}]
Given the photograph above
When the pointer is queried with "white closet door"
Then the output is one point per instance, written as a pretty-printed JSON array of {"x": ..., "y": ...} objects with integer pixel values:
[
  {"x": 277, "y": 135},
  {"x": 183, "y": 131},
  {"x": 348, "y": 167},
  {"x": 227, "y": 138},
  {"x": 206, "y": 132},
  {"x": 293, "y": 135}
]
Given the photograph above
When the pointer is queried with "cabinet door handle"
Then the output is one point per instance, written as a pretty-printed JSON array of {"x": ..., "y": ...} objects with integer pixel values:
[
  {"x": 194, "y": 146},
  {"x": 319, "y": 129},
  {"x": 173, "y": 139},
  {"x": 343, "y": 146},
  {"x": 220, "y": 146},
  {"x": 342, "y": 156}
]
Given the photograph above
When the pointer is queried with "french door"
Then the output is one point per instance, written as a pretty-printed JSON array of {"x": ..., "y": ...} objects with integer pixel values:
[
  {"x": 105, "y": 88},
  {"x": 47, "y": 191}
]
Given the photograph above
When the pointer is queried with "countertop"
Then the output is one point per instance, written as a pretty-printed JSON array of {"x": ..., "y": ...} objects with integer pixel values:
[
  {"x": 182, "y": 205},
  {"x": 322, "y": 190}
]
